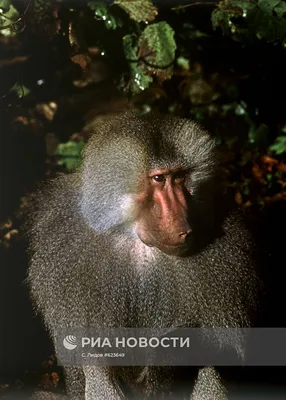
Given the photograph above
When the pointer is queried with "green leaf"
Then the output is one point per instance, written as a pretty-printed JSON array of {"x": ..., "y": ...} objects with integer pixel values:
[
  {"x": 245, "y": 190},
  {"x": 139, "y": 80},
  {"x": 236, "y": 6},
  {"x": 70, "y": 154},
  {"x": 157, "y": 44},
  {"x": 269, "y": 27},
  {"x": 139, "y": 10},
  {"x": 153, "y": 54},
  {"x": 5, "y": 6},
  {"x": 20, "y": 90},
  {"x": 239, "y": 110},
  {"x": 221, "y": 19},
  {"x": 243, "y": 4},
  {"x": 188, "y": 31},
  {"x": 280, "y": 146},
  {"x": 183, "y": 63},
  {"x": 130, "y": 46},
  {"x": 227, "y": 10},
  {"x": 7, "y": 18},
  {"x": 258, "y": 135},
  {"x": 99, "y": 7},
  {"x": 157, "y": 48},
  {"x": 268, "y": 5},
  {"x": 101, "y": 12},
  {"x": 280, "y": 9}
]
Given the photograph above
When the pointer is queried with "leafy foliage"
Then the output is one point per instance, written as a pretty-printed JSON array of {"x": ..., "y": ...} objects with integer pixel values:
[
  {"x": 101, "y": 12},
  {"x": 152, "y": 55},
  {"x": 280, "y": 9},
  {"x": 20, "y": 90},
  {"x": 157, "y": 45},
  {"x": 69, "y": 154},
  {"x": 9, "y": 15},
  {"x": 280, "y": 146},
  {"x": 263, "y": 19},
  {"x": 139, "y": 80},
  {"x": 166, "y": 59},
  {"x": 139, "y": 10},
  {"x": 5, "y": 6}
]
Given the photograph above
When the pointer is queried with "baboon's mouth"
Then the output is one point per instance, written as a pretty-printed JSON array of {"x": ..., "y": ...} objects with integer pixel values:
[
  {"x": 174, "y": 250},
  {"x": 179, "y": 249}
]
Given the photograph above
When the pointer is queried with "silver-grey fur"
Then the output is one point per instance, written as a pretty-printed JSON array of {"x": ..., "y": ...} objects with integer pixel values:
[{"x": 83, "y": 242}]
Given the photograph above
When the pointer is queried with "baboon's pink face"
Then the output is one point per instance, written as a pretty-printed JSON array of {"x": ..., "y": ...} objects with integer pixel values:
[{"x": 163, "y": 218}]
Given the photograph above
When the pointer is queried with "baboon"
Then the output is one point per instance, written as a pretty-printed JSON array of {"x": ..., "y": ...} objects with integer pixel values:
[{"x": 141, "y": 236}]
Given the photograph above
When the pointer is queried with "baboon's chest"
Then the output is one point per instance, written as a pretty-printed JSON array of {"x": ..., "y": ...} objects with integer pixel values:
[{"x": 160, "y": 301}]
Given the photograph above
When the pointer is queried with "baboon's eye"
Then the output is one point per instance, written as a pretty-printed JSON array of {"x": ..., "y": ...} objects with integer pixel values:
[{"x": 159, "y": 178}]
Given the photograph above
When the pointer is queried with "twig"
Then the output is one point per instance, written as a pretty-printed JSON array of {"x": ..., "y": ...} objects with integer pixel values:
[
  {"x": 15, "y": 60},
  {"x": 199, "y": 3}
]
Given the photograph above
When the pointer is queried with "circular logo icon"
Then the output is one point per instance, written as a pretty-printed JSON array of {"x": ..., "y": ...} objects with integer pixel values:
[{"x": 70, "y": 342}]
